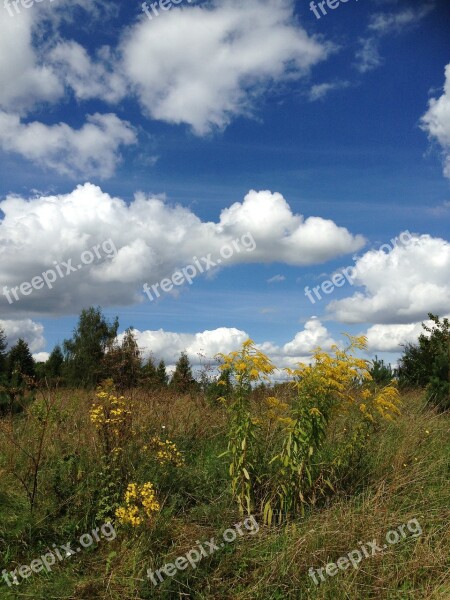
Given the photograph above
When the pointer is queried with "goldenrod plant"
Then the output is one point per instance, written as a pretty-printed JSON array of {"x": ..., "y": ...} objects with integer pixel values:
[
  {"x": 140, "y": 505},
  {"x": 334, "y": 382},
  {"x": 111, "y": 416},
  {"x": 245, "y": 366},
  {"x": 288, "y": 476},
  {"x": 165, "y": 452}
]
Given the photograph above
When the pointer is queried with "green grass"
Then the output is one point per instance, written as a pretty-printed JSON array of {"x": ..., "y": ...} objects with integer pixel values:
[{"x": 403, "y": 475}]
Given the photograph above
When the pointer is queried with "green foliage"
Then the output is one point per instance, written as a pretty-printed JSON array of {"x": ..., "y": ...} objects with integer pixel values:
[
  {"x": 427, "y": 363},
  {"x": 123, "y": 362},
  {"x": 54, "y": 365},
  {"x": 3, "y": 355},
  {"x": 161, "y": 375},
  {"x": 87, "y": 348},
  {"x": 381, "y": 374},
  {"x": 182, "y": 379},
  {"x": 20, "y": 363}
]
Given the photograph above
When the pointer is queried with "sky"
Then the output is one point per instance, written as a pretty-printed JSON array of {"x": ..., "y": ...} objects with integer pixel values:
[{"x": 267, "y": 169}]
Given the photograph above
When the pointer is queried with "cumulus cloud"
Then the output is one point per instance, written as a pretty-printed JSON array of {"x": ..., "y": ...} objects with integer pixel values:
[
  {"x": 28, "y": 330},
  {"x": 401, "y": 287},
  {"x": 152, "y": 239},
  {"x": 391, "y": 338},
  {"x": 436, "y": 121},
  {"x": 207, "y": 344},
  {"x": 205, "y": 65},
  {"x": 90, "y": 151},
  {"x": 199, "y": 65},
  {"x": 24, "y": 79},
  {"x": 41, "y": 357},
  {"x": 87, "y": 78}
]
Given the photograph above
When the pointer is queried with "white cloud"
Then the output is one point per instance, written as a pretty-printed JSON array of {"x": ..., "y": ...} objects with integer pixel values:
[
  {"x": 276, "y": 279},
  {"x": 205, "y": 65},
  {"x": 24, "y": 79},
  {"x": 86, "y": 78},
  {"x": 321, "y": 90},
  {"x": 436, "y": 121},
  {"x": 385, "y": 23},
  {"x": 382, "y": 24},
  {"x": 28, "y": 330},
  {"x": 390, "y": 338},
  {"x": 90, "y": 151},
  {"x": 207, "y": 344},
  {"x": 153, "y": 239},
  {"x": 41, "y": 357},
  {"x": 368, "y": 55},
  {"x": 400, "y": 287}
]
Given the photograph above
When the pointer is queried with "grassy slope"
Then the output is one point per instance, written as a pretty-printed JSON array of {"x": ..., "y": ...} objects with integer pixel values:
[{"x": 404, "y": 475}]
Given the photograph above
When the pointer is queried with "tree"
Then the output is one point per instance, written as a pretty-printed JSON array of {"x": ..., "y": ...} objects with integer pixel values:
[
  {"x": 55, "y": 363},
  {"x": 427, "y": 363},
  {"x": 150, "y": 374},
  {"x": 3, "y": 354},
  {"x": 381, "y": 374},
  {"x": 182, "y": 379},
  {"x": 122, "y": 363},
  {"x": 20, "y": 362},
  {"x": 87, "y": 348},
  {"x": 161, "y": 375}
]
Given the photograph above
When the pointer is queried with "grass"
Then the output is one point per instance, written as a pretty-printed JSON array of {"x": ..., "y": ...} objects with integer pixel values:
[{"x": 403, "y": 475}]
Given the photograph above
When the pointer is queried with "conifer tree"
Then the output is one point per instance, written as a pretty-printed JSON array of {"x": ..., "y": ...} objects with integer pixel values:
[
  {"x": 182, "y": 380},
  {"x": 20, "y": 362},
  {"x": 161, "y": 375}
]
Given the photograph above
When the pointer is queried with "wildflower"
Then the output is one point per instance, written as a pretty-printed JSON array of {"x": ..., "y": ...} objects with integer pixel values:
[{"x": 140, "y": 504}]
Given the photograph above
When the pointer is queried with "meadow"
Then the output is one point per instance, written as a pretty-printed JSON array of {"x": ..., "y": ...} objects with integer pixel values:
[{"x": 170, "y": 470}]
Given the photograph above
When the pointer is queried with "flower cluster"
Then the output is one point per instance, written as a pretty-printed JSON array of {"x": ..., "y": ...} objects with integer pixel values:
[
  {"x": 248, "y": 364},
  {"x": 166, "y": 452},
  {"x": 140, "y": 505},
  {"x": 111, "y": 417},
  {"x": 342, "y": 378},
  {"x": 277, "y": 410}
]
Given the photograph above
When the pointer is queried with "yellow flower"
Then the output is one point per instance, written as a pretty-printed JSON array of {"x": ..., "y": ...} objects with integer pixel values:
[{"x": 140, "y": 503}]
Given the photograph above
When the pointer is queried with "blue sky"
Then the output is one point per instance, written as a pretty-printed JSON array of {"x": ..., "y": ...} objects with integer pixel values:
[{"x": 344, "y": 119}]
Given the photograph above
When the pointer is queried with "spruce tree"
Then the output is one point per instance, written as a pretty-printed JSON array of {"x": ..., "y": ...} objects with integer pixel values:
[
  {"x": 20, "y": 362},
  {"x": 3, "y": 354},
  {"x": 161, "y": 375},
  {"x": 150, "y": 374},
  {"x": 86, "y": 350},
  {"x": 182, "y": 380},
  {"x": 54, "y": 364}
]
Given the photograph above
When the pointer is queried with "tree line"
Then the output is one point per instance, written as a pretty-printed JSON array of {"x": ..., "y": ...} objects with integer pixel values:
[{"x": 94, "y": 354}]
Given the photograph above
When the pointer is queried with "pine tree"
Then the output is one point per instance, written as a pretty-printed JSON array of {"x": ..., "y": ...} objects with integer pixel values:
[
  {"x": 150, "y": 374},
  {"x": 54, "y": 364},
  {"x": 3, "y": 354},
  {"x": 87, "y": 348},
  {"x": 122, "y": 363},
  {"x": 182, "y": 380},
  {"x": 20, "y": 362},
  {"x": 161, "y": 375}
]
